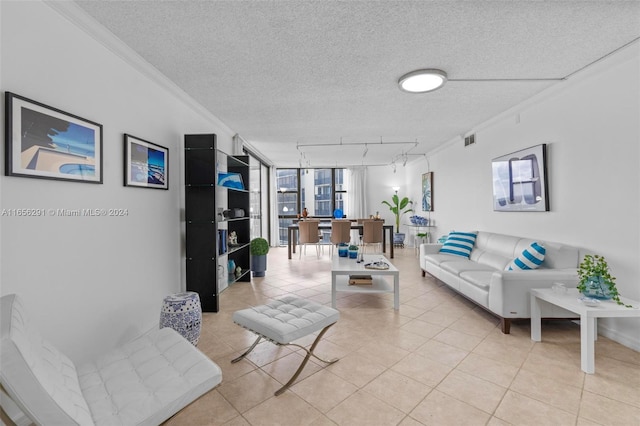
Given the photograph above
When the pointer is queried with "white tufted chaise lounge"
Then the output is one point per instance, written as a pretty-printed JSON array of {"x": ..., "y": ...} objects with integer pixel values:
[
  {"x": 285, "y": 320},
  {"x": 143, "y": 382}
]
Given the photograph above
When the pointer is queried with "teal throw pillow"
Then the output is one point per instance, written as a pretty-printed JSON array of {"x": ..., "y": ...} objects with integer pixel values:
[
  {"x": 459, "y": 244},
  {"x": 530, "y": 258}
]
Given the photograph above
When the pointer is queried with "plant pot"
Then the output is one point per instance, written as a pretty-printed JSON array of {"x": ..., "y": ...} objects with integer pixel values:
[
  {"x": 597, "y": 288},
  {"x": 343, "y": 250},
  {"x": 398, "y": 239},
  {"x": 353, "y": 254},
  {"x": 259, "y": 265}
]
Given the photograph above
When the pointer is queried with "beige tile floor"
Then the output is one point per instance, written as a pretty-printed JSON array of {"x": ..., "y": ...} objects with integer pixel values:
[{"x": 439, "y": 360}]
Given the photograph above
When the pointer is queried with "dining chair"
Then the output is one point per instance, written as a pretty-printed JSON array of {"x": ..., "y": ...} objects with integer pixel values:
[
  {"x": 372, "y": 232},
  {"x": 308, "y": 234},
  {"x": 361, "y": 222},
  {"x": 340, "y": 232}
]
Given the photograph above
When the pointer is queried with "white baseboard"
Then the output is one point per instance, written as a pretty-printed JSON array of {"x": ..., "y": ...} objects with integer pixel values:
[{"x": 624, "y": 339}]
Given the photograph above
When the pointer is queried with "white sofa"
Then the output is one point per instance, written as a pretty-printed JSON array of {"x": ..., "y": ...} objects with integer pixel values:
[
  {"x": 143, "y": 382},
  {"x": 483, "y": 279}
]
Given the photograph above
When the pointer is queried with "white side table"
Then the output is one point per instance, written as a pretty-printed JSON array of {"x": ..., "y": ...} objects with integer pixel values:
[
  {"x": 588, "y": 318},
  {"x": 417, "y": 240}
]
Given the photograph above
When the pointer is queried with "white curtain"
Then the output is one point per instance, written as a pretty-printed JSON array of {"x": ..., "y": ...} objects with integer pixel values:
[{"x": 357, "y": 190}]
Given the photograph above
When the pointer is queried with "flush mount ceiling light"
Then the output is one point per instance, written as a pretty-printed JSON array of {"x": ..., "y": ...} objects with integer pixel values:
[{"x": 422, "y": 81}]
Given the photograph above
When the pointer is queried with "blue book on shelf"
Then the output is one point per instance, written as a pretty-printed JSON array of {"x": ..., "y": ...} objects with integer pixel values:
[{"x": 222, "y": 241}]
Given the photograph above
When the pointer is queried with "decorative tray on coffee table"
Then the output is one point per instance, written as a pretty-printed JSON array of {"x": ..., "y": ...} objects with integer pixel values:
[{"x": 377, "y": 265}]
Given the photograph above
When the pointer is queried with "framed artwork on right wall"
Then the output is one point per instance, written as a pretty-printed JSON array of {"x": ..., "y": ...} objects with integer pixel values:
[
  {"x": 427, "y": 192},
  {"x": 520, "y": 181}
]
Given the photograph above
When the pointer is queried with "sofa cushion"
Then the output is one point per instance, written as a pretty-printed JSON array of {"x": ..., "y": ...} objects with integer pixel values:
[
  {"x": 459, "y": 244},
  {"x": 456, "y": 267},
  {"x": 530, "y": 258},
  {"x": 503, "y": 245},
  {"x": 437, "y": 259},
  {"x": 480, "y": 279},
  {"x": 488, "y": 258}
]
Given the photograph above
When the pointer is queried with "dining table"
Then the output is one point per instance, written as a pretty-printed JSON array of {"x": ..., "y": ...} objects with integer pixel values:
[{"x": 292, "y": 235}]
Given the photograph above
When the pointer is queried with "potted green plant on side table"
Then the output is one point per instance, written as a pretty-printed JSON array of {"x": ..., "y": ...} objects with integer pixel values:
[
  {"x": 259, "y": 247},
  {"x": 397, "y": 207},
  {"x": 595, "y": 279}
]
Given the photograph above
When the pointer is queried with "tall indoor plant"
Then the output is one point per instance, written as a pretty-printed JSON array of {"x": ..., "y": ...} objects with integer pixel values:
[
  {"x": 259, "y": 247},
  {"x": 399, "y": 207}
]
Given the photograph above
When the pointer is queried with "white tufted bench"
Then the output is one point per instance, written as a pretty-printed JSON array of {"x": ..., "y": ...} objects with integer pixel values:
[
  {"x": 143, "y": 382},
  {"x": 285, "y": 320}
]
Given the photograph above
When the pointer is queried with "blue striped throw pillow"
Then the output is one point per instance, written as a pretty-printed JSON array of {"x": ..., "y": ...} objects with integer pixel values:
[
  {"x": 530, "y": 258},
  {"x": 459, "y": 244}
]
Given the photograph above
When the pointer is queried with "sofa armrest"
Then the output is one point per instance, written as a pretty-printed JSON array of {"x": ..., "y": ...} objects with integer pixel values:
[
  {"x": 509, "y": 290},
  {"x": 429, "y": 248},
  {"x": 425, "y": 249}
]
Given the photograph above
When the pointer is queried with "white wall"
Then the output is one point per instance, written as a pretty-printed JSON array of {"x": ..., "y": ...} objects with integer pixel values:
[
  {"x": 92, "y": 282},
  {"x": 380, "y": 183},
  {"x": 591, "y": 124}
]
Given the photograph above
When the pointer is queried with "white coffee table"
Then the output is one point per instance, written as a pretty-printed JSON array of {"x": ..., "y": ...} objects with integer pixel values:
[
  {"x": 342, "y": 267},
  {"x": 588, "y": 318}
]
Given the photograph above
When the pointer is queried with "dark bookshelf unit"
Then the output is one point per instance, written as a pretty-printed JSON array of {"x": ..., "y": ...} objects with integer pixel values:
[{"x": 206, "y": 227}]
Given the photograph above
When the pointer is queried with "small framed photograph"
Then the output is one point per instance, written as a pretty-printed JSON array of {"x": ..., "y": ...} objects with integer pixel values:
[
  {"x": 146, "y": 164},
  {"x": 47, "y": 143},
  {"x": 427, "y": 192}
]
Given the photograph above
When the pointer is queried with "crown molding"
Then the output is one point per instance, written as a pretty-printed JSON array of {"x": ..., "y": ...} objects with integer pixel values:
[
  {"x": 629, "y": 51},
  {"x": 81, "y": 19}
]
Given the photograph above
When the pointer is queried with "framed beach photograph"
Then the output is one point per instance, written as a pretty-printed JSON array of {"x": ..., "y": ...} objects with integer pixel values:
[
  {"x": 47, "y": 143},
  {"x": 427, "y": 192},
  {"x": 146, "y": 164}
]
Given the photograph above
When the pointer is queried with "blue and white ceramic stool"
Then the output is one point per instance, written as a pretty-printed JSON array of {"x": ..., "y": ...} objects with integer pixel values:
[{"x": 183, "y": 313}]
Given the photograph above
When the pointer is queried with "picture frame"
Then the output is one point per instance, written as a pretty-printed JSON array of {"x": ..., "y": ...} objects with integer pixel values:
[
  {"x": 146, "y": 164},
  {"x": 520, "y": 181},
  {"x": 44, "y": 142},
  {"x": 230, "y": 180},
  {"x": 427, "y": 192}
]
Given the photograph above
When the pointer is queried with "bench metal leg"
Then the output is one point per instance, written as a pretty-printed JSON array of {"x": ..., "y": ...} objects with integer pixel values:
[
  {"x": 304, "y": 362},
  {"x": 306, "y": 359},
  {"x": 233, "y": 361}
]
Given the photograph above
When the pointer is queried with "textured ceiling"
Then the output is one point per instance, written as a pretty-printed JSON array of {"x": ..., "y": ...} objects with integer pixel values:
[{"x": 290, "y": 73}]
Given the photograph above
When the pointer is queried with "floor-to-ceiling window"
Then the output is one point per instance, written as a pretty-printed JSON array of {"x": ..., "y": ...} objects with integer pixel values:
[
  {"x": 259, "y": 197},
  {"x": 288, "y": 200},
  {"x": 320, "y": 191}
]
